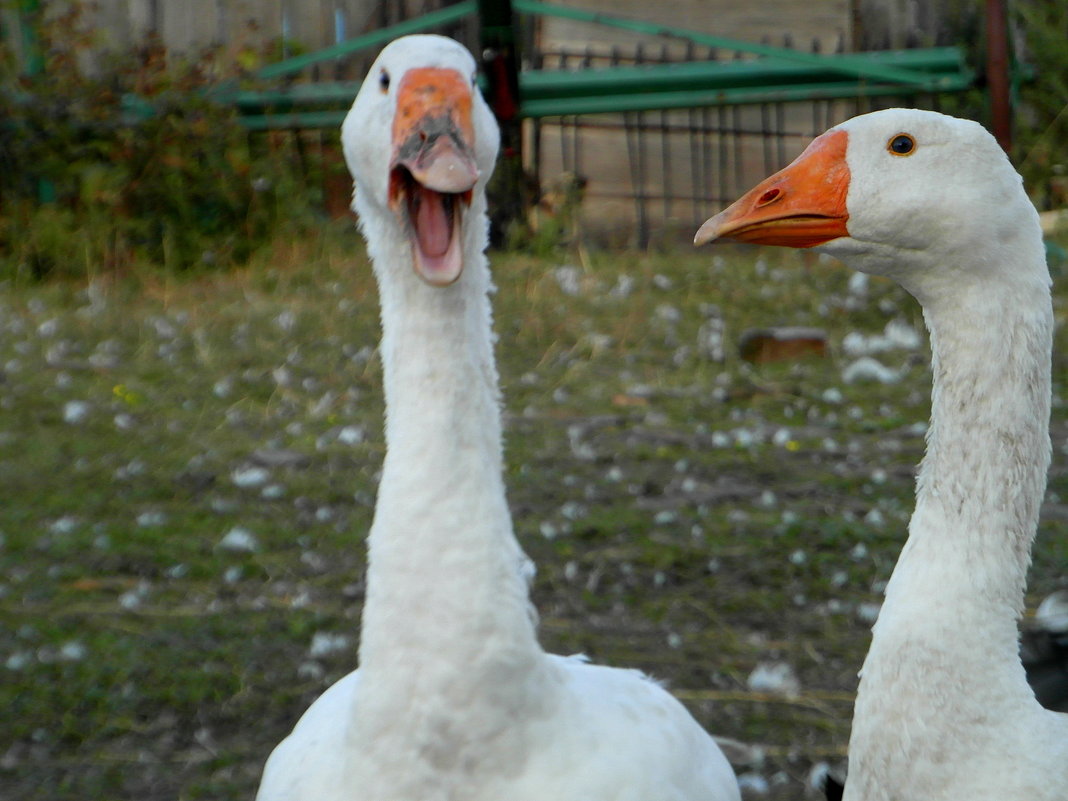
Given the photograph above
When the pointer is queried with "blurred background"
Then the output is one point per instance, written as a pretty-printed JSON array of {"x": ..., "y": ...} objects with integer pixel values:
[
  {"x": 103, "y": 101},
  {"x": 710, "y": 454}
]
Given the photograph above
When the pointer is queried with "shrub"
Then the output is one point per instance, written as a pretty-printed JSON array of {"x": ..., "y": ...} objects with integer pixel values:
[
  {"x": 1043, "y": 135},
  {"x": 133, "y": 162}
]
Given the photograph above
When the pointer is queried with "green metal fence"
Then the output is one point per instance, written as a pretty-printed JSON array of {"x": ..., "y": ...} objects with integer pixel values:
[
  {"x": 729, "y": 109},
  {"x": 776, "y": 74}
]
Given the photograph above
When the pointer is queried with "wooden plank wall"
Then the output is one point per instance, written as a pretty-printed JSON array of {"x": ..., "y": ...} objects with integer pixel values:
[
  {"x": 825, "y": 20},
  {"x": 189, "y": 26},
  {"x": 193, "y": 24}
]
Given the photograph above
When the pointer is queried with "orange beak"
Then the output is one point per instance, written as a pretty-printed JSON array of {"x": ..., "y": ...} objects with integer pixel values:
[
  {"x": 433, "y": 169},
  {"x": 800, "y": 206}
]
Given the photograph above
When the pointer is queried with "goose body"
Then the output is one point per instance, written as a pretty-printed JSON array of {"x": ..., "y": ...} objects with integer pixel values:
[
  {"x": 943, "y": 709},
  {"x": 454, "y": 699},
  {"x": 1044, "y": 651}
]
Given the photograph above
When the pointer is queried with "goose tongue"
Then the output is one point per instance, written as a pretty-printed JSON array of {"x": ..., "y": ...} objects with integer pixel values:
[
  {"x": 436, "y": 245},
  {"x": 432, "y": 221},
  {"x": 443, "y": 174}
]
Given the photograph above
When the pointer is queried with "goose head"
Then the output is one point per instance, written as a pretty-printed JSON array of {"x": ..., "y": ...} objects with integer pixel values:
[
  {"x": 926, "y": 199},
  {"x": 420, "y": 142}
]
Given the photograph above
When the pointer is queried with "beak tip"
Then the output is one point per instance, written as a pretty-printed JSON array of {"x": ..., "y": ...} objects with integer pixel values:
[{"x": 708, "y": 232}]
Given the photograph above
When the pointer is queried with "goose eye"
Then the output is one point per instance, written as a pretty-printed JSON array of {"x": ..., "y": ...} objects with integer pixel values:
[
  {"x": 901, "y": 145},
  {"x": 383, "y": 81}
]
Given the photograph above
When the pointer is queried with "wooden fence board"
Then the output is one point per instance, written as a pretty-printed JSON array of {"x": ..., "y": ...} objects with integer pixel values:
[{"x": 194, "y": 24}]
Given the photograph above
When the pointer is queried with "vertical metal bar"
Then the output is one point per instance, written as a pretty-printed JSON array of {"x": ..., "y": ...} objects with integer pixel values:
[
  {"x": 765, "y": 136},
  {"x": 500, "y": 61},
  {"x": 633, "y": 147},
  {"x": 705, "y": 167},
  {"x": 765, "y": 127},
  {"x": 566, "y": 161},
  {"x": 665, "y": 149},
  {"x": 537, "y": 59},
  {"x": 587, "y": 62},
  {"x": 628, "y": 135},
  {"x": 699, "y": 189},
  {"x": 831, "y": 107},
  {"x": 736, "y": 123},
  {"x": 339, "y": 25},
  {"x": 780, "y": 135},
  {"x": 814, "y": 107},
  {"x": 737, "y": 147},
  {"x": 997, "y": 72},
  {"x": 780, "y": 127},
  {"x": 696, "y": 193},
  {"x": 499, "y": 51},
  {"x": 724, "y": 169},
  {"x": 643, "y": 199}
]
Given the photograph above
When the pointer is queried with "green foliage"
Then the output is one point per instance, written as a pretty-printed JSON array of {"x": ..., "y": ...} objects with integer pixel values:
[
  {"x": 552, "y": 223},
  {"x": 1043, "y": 136},
  {"x": 132, "y": 162},
  {"x": 1037, "y": 31}
]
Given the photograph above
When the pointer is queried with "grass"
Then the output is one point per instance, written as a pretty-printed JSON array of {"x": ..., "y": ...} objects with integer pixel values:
[{"x": 689, "y": 517}]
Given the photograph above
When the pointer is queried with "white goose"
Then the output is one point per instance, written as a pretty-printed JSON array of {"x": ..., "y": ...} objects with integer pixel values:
[
  {"x": 454, "y": 699},
  {"x": 943, "y": 710}
]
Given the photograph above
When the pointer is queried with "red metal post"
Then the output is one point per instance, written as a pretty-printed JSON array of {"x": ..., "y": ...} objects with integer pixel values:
[
  {"x": 500, "y": 63},
  {"x": 997, "y": 72}
]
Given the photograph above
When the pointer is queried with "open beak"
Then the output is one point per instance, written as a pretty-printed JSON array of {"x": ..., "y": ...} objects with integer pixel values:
[
  {"x": 433, "y": 171},
  {"x": 800, "y": 206}
]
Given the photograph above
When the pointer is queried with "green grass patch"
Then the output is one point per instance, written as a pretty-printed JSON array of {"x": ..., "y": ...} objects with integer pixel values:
[{"x": 689, "y": 516}]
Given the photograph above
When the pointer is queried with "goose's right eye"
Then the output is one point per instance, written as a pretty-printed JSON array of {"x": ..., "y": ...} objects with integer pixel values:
[
  {"x": 383, "y": 81},
  {"x": 901, "y": 145}
]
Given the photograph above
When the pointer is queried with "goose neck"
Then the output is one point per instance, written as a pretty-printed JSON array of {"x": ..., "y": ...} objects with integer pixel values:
[
  {"x": 445, "y": 573},
  {"x": 962, "y": 572}
]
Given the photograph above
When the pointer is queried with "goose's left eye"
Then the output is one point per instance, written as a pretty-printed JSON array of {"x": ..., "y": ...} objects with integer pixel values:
[
  {"x": 901, "y": 145},
  {"x": 474, "y": 79},
  {"x": 383, "y": 81}
]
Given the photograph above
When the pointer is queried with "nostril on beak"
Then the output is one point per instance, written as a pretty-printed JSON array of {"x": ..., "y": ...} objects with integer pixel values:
[{"x": 769, "y": 197}]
